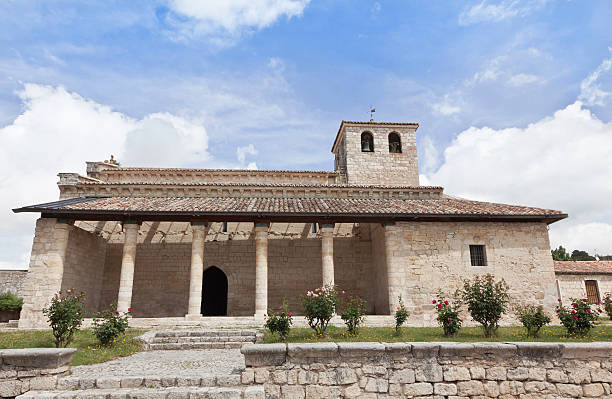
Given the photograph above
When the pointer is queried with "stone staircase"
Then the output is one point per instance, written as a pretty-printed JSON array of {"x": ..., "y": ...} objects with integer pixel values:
[
  {"x": 134, "y": 387},
  {"x": 184, "y": 339}
]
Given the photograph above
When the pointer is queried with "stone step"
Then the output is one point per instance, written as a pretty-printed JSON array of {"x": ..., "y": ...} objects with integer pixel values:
[
  {"x": 234, "y": 338},
  {"x": 180, "y": 381},
  {"x": 196, "y": 345},
  {"x": 205, "y": 333},
  {"x": 251, "y": 392}
]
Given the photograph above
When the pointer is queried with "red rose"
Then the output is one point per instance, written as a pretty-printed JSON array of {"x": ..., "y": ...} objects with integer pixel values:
[
  {"x": 439, "y": 306},
  {"x": 449, "y": 319},
  {"x": 434, "y": 301},
  {"x": 584, "y": 300},
  {"x": 558, "y": 310},
  {"x": 575, "y": 317},
  {"x": 129, "y": 309},
  {"x": 116, "y": 312},
  {"x": 446, "y": 302},
  {"x": 573, "y": 311},
  {"x": 559, "y": 299}
]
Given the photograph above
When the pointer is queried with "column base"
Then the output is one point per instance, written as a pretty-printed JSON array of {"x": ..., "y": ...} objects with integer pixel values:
[{"x": 193, "y": 317}]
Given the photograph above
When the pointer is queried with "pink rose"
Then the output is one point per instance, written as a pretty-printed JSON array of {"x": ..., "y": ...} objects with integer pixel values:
[
  {"x": 575, "y": 317},
  {"x": 280, "y": 308},
  {"x": 449, "y": 319},
  {"x": 289, "y": 314},
  {"x": 588, "y": 310}
]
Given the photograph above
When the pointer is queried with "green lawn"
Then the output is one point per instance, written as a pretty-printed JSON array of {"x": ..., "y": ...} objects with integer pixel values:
[
  {"x": 88, "y": 349},
  {"x": 421, "y": 334}
]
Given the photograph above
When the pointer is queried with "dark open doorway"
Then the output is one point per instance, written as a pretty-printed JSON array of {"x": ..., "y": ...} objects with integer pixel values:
[{"x": 214, "y": 292}]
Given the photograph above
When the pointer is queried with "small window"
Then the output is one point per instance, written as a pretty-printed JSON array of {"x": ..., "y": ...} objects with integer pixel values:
[
  {"x": 592, "y": 290},
  {"x": 224, "y": 227},
  {"x": 367, "y": 142},
  {"x": 395, "y": 143},
  {"x": 314, "y": 228},
  {"x": 477, "y": 255}
]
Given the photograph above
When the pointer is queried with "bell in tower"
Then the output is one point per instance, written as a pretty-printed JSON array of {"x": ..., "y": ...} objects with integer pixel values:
[{"x": 367, "y": 142}]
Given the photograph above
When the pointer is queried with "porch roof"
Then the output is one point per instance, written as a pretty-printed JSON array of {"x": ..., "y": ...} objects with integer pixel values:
[
  {"x": 288, "y": 209},
  {"x": 583, "y": 267}
]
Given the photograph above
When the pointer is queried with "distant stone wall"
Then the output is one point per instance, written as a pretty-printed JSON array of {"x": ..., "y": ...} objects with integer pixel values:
[
  {"x": 12, "y": 281},
  {"x": 446, "y": 370},
  {"x": 573, "y": 285}
]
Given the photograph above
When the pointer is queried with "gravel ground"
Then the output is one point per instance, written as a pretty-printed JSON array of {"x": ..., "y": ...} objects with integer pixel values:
[{"x": 168, "y": 363}]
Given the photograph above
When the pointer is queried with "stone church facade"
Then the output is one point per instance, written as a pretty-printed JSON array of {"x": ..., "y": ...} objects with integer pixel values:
[{"x": 193, "y": 243}]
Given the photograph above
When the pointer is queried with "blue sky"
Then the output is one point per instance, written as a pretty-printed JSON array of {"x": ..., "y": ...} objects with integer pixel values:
[{"x": 495, "y": 85}]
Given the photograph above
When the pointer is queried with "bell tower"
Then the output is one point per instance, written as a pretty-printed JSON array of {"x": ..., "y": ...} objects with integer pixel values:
[{"x": 377, "y": 153}]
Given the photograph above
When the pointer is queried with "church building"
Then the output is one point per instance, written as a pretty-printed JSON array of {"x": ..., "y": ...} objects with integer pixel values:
[{"x": 187, "y": 244}]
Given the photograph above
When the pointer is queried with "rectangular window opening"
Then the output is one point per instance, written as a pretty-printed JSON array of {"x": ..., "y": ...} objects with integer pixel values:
[
  {"x": 477, "y": 255},
  {"x": 224, "y": 227},
  {"x": 314, "y": 228}
]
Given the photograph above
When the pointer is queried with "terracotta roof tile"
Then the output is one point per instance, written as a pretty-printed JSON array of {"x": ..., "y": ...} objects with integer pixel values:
[
  {"x": 297, "y": 206},
  {"x": 583, "y": 267}
]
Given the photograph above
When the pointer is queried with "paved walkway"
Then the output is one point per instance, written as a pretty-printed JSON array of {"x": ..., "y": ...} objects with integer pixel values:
[{"x": 167, "y": 362}]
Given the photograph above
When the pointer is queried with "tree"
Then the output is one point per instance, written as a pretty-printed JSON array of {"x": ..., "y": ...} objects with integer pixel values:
[
  {"x": 560, "y": 254},
  {"x": 581, "y": 255}
]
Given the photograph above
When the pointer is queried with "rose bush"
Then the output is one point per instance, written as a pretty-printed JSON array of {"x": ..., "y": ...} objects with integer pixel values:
[
  {"x": 353, "y": 313},
  {"x": 279, "y": 322},
  {"x": 486, "y": 300},
  {"x": 448, "y": 315},
  {"x": 109, "y": 325},
  {"x": 607, "y": 303},
  {"x": 580, "y": 317},
  {"x": 65, "y": 315},
  {"x": 533, "y": 318},
  {"x": 319, "y": 307},
  {"x": 401, "y": 315}
]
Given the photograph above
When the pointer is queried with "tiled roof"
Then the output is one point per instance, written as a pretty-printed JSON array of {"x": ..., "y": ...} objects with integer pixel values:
[
  {"x": 583, "y": 267},
  {"x": 236, "y": 171},
  {"x": 265, "y": 184},
  {"x": 323, "y": 207}
]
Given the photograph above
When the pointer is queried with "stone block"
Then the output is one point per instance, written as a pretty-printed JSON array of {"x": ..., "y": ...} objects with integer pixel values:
[
  {"x": 11, "y": 388},
  {"x": 425, "y": 350},
  {"x": 496, "y": 373},
  {"x": 513, "y": 388},
  {"x": 307, "y": 377},
  {"x": 491, "y": 389},
  {"x": 108, "y": 382},
  {"x": 346, "y": 376},
  {"x": 470, "y": 388},
  {"x": 261, "y": 375},
  {"x": 445, "y": 389},
  {"x": 538, "y": 350},
  {"x": 321, "y": 392},
  {"x": 569, "y": 390},
  {"x": 257, "y": 355},
  {"x": 247, "y": 377},
  {"x": 418, "y": 389},
  {"x": 361, "y": 349},
  {"x": 556, "y": 375},
  {"x": 477, "y": 373},
  {"x": 318, "y": 350},
  {"x": 39, "y": 358},
  {"x": 600, "y": 375},
  {"x": 352, "y": 391},
  {"x": 256, "y": 392},
  {"x": 537, "y": 374},
  {"x": 131, "y": 382},
  {"x": 402, "y": 376},
  {"x": 587, "y": 351},
  {"x": 457, "y": 373},
  {"x": 293, "y": 392},
  {"x": 518, "y": 374},
  {"x": 593, "y": 390},
  {"x": 429, "y": 372}
]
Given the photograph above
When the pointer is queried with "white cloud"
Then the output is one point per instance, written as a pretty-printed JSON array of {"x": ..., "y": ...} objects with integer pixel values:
[
  {"x": 522, "y": 79},
  {"x": 560, "y": 162},
  {"x": 487, "y": 12},
  {"x": 591, "y": 237},
  {"x": 590, "y": 91},
  {"x": 57, "y": 132},
  {"x": 229, "y": 19},
  {"x": 241, "y": 153},
  {"x": 445, "y": 108}
]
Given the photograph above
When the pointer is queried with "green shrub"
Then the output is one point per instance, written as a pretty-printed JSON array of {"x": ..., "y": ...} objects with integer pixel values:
[
  {"x": 532, "y": 317},
  {"x": 448, "y": 315},
  {"x": 401, "y": 315},
  {"x": 486, "y": 300},
  {"x": 109, "y": 325},
  {"x": 65, "y": 316},
  {"x": 10, "y": 302},
  {"x": 579, "y": 318},
  {"x": 319, "y": 307},
  {"x": 607, "y": 303},
  {"x": 353, "y": 314},
  {"x": 279, "y": 322}
]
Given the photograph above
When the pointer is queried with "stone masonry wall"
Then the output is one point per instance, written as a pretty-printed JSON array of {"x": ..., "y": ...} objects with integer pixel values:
[
  {"x": 379, "y": 167},
  {"x": 573, "y": 286},
  {"x": 433, "y": 370},
  {"x": 12, "y": 281},
  {"x": 84, "y": 266},
  {"x": 161, "y": 276},
  {"x": 435, "y": 255},
  {"x": 22, "y": 370}
]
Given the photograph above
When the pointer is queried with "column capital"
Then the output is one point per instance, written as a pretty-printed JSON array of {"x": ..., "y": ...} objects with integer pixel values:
[
  {"x": 131, "y": 224},
  {"x": 262, "y": 226}
]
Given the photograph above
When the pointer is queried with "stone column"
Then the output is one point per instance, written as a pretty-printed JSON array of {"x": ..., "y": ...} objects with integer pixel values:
[
  {"x": 394, "y": 269},
  {"x": 261, "y": 268},
  {"x": 327, "y": 253},
  {"x": 46, "y": 271},
  {"x": 198, "y": 230},
  {"x": 124, "y": 299}
]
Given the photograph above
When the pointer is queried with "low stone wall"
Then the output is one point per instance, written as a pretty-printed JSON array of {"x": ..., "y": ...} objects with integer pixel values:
[
  {"x": 442, "y": 370},
  {"x": 22, "y": 370}
]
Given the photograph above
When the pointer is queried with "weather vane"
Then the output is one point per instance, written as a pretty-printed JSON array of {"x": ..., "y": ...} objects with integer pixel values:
[{"x": 372, "y": 110}]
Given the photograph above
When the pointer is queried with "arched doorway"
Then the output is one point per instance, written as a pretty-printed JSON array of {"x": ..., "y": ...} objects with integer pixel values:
[{"x": 214, "y": 292}]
